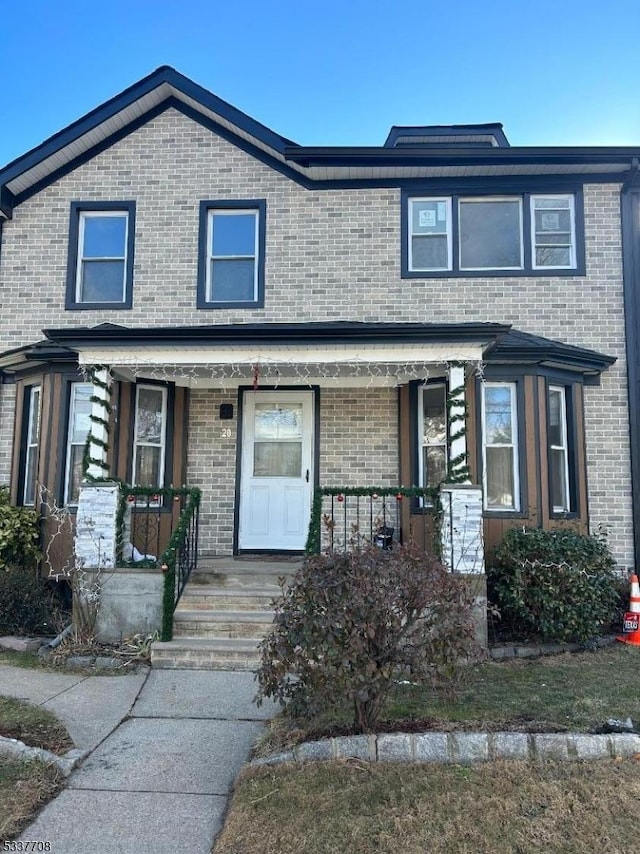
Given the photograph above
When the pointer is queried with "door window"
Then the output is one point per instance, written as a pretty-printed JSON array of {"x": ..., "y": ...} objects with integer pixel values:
[{"x": 277, "y": 447}]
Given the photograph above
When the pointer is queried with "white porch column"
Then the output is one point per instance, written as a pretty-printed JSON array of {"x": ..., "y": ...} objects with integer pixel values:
[
  {"x": 457, "y": 424},
  {"x": 99, "y": 431},
  {"x": 96, "y": 531},
  {"x": 461, "y": 530}
]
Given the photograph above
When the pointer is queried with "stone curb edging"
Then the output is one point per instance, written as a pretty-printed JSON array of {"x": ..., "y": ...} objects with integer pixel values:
[
  {"x": 18, "y": 750},
  {"x": 521, "y": 650},
  {"x": 461, "y": 748}
]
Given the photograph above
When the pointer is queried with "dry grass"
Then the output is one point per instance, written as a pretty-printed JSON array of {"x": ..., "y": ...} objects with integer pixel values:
[
  {"x": 33, "y": 725},
  {"x": 24, "y": 788},
  {"x": 502, "y": 808},
  {"x": 553, "y": 694}
]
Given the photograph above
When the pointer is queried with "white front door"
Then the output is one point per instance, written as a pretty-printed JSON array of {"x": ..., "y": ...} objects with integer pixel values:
[{"x": 276, "y": 470}]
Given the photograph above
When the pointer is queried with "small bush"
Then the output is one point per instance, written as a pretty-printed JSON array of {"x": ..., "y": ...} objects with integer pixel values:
[
  {"x": 350, "y": 624},
  {"x": 28, "y": 605},
  {"x": 558, "y": 585},
  {"x": 19, "y": 534}
]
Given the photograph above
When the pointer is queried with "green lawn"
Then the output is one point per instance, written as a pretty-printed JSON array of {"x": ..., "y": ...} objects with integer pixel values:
[{"x": 558, "y": 693}]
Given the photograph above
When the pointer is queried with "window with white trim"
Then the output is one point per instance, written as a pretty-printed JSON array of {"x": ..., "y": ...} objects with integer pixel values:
[
  {"x": 430, "y": 242},
  {"x": 500, "y": 446},
  {"x": 521, "y": 233},
  {"x": 232, "y": 256},
  {"x": 150, "y": 429},
  {"x": 32, "y": 441},
  {"x": 432, "y": 434},
  {"x": 80, "y": 407},
  {"x": 558, "y": 450},
  {"x": 553, "y": 232},
  {"x": 101, "y": 272}
]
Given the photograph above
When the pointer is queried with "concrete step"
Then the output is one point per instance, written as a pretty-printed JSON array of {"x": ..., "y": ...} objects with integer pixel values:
[
  {"x": 227, "y": 624},
  {"x": 239, "y": 580},
  {"x": 228, "y": 599},
  {"x": 205, "y": 654}
]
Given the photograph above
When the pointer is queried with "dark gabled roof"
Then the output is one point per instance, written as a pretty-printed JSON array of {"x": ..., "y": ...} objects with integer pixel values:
[
  {"x": 40, "y": 352},
  {"x": 425, "y": 153},
  {"x": 533, "y": 349},
  {"x": 112, "y": 120},
  {"x": 277, "y": 333}
]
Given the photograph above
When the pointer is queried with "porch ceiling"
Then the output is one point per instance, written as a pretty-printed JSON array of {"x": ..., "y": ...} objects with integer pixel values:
[{"x": 209, "y": 367}]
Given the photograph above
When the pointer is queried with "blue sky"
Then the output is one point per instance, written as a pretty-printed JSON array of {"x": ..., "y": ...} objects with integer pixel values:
[{"x": 337, "y": 72}]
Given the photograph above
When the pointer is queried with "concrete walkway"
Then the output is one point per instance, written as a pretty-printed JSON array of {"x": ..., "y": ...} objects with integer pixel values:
[{"x": 166, "y": 748}]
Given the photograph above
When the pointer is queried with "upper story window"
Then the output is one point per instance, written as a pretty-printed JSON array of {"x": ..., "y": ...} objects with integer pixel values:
[
  {"x": 231, "y": 254},
  {"x": 500, "y": 446},
  {"x": 520, "y": 234},
  {"x": 100, "y": 269},
  {"x": 149, "y": 440},
  {"x": 32, "y": 440}
]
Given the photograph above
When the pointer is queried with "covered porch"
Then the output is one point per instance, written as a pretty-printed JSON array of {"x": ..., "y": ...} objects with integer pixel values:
[{"x": 265, "y": 418}]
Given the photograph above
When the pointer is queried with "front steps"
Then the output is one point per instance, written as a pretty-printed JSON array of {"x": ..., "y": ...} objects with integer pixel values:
[{"x": 223, "y": 614}]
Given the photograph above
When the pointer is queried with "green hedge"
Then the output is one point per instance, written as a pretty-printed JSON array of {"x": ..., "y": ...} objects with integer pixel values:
[{"x": 556, "y": 585}]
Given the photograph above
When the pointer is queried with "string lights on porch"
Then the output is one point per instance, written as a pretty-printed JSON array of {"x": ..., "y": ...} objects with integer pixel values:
[{"x": 263, "y": 372}]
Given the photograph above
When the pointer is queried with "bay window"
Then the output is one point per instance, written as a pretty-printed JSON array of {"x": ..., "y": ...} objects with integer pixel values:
[
  {"x": 149, "y": 442},
  {"x": 32, "y": 440},
  {"x": 558, "y": 450},
  {"x": 500, "y": 446},
  {"x": 80, "y": 406}
]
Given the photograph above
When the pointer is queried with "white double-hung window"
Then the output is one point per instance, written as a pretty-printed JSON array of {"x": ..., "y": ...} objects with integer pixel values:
[
  {"x": 80, "y": 407},
  {"x": 231, "y": 256},
  {"x": 500, "y": 446},
  {"x": 553, "y": 232},
  {"x": 102, "y": 257},
  {"x": 31, "y": 446},
  {"x": 430, "y": 241},
  {"x": 150, "y": 430},
  {"x": 558, "y": 450},
  {"x": 432, "y": 434}
]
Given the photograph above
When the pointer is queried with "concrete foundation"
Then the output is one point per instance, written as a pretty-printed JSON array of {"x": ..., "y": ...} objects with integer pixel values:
[{"x": 130, "y": 602}]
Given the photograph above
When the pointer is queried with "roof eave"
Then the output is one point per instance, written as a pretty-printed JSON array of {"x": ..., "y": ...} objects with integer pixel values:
[{"x": 277, "y": 334}]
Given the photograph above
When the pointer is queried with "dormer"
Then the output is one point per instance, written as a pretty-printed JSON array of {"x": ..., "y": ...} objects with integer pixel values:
[{"x": 447, "y": 136}]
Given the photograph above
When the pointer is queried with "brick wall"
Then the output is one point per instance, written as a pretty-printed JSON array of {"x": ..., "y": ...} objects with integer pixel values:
[
  {"x": 7, "y": 408},
  {"x": 330, "y": 255}
]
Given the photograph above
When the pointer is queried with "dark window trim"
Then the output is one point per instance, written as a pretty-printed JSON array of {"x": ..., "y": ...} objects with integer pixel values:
[
  {"x": 570, "y": 402},
  {"x": 77, "y": 208},
  {"x": 492, "y": 375},
  {"x": 225, "y": 204},
  {"x": 414, "y": 463},
  {"x": 631, "y": 260},
  {"x": 522, "y": 191},
  {"x": 27, "y": 402}
]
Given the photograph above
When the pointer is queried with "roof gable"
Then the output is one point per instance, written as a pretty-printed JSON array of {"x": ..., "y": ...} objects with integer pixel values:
[{"x": 411, "y": 155}]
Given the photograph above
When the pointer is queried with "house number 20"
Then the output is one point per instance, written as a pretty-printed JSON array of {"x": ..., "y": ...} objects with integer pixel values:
[{"x": 226, "y": 432}]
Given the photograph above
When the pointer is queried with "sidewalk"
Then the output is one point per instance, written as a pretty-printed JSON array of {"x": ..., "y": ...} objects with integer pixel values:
[{"x": 166, "y": 748}]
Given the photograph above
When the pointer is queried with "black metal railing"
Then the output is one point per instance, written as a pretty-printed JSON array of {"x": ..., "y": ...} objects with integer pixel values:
[
  {"x": 160, "y": 527},
  {"x": 348, "y": 517}
]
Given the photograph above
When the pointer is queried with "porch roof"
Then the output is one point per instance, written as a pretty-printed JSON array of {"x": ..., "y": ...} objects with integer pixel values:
[{"x": 320, "y": 353}]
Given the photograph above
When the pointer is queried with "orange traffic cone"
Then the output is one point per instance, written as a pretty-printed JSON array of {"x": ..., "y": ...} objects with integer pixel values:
[{"x": 631, "y": 624}]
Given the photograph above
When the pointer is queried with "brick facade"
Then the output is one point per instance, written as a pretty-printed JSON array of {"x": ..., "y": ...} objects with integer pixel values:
[{"x": 331, "y": 255}]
